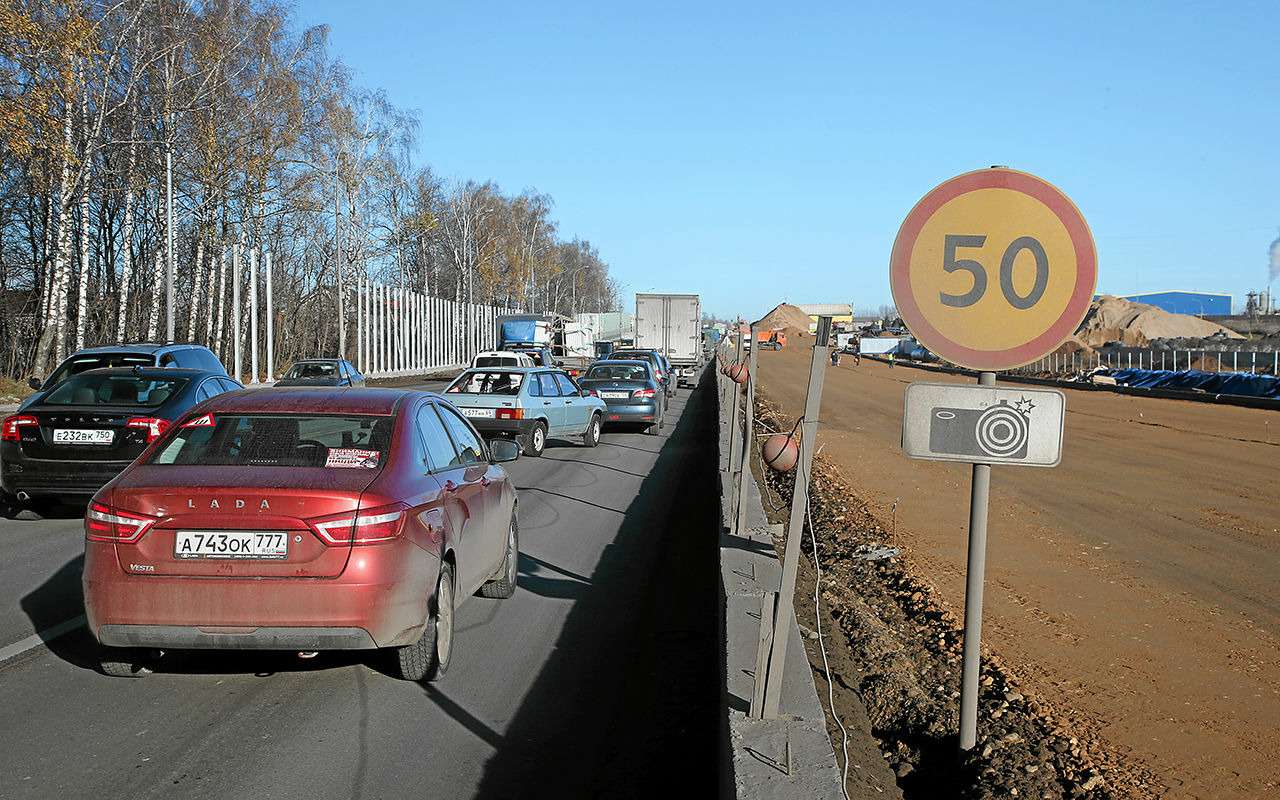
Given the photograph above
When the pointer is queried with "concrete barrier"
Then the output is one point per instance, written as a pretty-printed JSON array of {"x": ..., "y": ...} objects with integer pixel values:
[{"x": 789, "y": 757}]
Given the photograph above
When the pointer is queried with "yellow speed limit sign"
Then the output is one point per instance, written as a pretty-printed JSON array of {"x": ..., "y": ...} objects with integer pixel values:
[{"x": 993, "y": 269}]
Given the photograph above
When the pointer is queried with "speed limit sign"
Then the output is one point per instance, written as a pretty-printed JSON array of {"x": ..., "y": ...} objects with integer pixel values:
[{"x": 993, "y": 269}]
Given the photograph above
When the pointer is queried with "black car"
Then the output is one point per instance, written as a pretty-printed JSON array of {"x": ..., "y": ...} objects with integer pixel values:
[
  {"x": 322, "y": 372},
  {"x": 136, "y": 354},
  {"x": 631, "y": 391},
  {"x": 86, "y": 429},
  {"x": 661, "y": 369}
]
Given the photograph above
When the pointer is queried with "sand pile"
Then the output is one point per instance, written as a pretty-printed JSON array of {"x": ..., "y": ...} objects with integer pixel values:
[
  {"x": 1112, "y": 319},
  {"x": 786, "y": 317}
]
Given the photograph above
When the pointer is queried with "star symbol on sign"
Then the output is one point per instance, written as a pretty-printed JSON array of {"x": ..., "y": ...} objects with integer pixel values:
[{"x": 1024, "y": 406}]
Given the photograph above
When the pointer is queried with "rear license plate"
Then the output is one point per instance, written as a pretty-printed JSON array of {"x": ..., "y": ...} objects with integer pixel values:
[
  {"x": 73, "y": 436},
  {"x": 477, "y": 412},
  {"x": 272, "y": 545},
  {"x": 615, "y": 395}
]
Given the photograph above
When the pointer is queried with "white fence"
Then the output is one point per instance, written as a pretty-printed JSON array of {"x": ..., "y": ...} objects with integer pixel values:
[
  {"x": 1243, "y": 361},
  {"x": 402, "y": 332},
  {"x": 396, "y": 331}
]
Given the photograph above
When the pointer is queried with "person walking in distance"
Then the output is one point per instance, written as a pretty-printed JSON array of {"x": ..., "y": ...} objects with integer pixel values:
[
  {"x": 891, "y": 357},
  {"x": 835, "y": 356}
]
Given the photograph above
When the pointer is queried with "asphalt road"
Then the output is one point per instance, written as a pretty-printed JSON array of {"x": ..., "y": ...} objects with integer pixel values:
[{"x": 597, "y": 679}]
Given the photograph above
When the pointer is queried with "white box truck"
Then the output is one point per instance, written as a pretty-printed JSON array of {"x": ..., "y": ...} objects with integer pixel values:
[{"x": 672, "y": 325}]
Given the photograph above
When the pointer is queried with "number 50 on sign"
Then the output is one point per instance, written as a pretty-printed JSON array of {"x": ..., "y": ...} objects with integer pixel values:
[{"x": 993, "y": 269}]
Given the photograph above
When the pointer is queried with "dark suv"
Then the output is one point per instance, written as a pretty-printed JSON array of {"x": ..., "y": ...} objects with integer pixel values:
[{"x": 140, "y": 354}]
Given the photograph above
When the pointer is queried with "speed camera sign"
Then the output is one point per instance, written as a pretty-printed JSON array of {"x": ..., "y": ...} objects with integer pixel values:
[{"x": 993, "y": 269}]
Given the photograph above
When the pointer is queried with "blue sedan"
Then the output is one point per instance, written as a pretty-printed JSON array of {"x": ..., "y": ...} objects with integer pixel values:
[{"x": 528, "y": 404}]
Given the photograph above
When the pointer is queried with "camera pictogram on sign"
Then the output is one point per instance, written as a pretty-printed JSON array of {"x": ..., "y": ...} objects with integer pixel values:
[{"x": 999, "y": 431}]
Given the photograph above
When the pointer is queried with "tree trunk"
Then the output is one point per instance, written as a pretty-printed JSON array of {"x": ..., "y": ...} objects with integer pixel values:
[
  {"x": 197, "y": 279},
  {"x": 82, "y": 299},
  {"x": 126, "y": 236}
]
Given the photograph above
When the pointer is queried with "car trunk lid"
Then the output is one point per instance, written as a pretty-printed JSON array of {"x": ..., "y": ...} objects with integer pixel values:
[{"x": 209, "y": 506}]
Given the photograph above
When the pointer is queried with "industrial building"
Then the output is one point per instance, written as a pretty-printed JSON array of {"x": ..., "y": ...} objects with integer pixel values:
[{"x": 1179, "y": 302}]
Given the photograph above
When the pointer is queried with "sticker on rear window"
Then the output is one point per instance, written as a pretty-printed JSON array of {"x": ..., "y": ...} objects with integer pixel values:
[{"x": 350, "y": 457}]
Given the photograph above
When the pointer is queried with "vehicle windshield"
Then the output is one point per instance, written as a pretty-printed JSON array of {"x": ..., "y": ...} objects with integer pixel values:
[
  {"x": 280, "y": 440},
  {"x": 618, "y": 372},
  {"x": 77, "y": 364},
  {"x": 114, "y": 390},
  {"x": 313, "y": 369},
  {"x": 507, "y": 383}
]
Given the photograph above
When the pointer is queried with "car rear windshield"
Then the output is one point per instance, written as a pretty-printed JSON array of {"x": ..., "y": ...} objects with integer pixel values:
[
  {"x": 497, "y": 361},
  {"x": 280, "y": 440},
  {"x": 319, "y": 369},
  {"x": 618, "y": 372},
  {"x": 487, "y": 383},
  {"x": 77, "y": 364},
  {"x": 114, "y": 390}
]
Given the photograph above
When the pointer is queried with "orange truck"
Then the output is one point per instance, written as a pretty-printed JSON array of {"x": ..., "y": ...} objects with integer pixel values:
[{"x": 774, "y": 339}]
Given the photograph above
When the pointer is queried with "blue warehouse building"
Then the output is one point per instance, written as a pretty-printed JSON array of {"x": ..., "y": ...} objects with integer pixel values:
[{"x": 1197, "y": 303}]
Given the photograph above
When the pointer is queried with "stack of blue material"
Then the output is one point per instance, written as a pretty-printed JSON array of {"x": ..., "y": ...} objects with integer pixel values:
[{"x": 1243, "y": 384}]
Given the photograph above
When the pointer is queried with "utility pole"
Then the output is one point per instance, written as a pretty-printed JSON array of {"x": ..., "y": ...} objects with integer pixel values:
[
  {"x": 168, "y": 177},
  {"x": 338, "y": 259}
]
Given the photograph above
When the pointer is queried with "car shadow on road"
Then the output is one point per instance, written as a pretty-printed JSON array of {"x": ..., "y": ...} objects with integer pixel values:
[{"x": 627, "y": 703}]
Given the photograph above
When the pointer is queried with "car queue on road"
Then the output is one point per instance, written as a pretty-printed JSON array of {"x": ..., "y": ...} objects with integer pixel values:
[{"x": 207, "y": 526}]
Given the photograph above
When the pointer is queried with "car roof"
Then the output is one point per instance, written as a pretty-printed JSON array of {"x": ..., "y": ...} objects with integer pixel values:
[
  {"x": 319, "y": 399},
  {"x": 504, "y": 368},
  {"x": 151, "y": 348},
  {"x": 318, "y": 360},
  {"x": 154, "y": 372},
  {"x": 635, "y": 361}
]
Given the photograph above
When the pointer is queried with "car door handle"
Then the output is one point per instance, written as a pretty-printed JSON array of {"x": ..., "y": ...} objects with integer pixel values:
[
  {"x": 546, "y": 402},
  {"x": 568, "y": 402}
]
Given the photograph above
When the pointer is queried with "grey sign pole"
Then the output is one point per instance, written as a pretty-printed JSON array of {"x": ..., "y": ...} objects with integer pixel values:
[
  {"x": 795, "y": 526},
  {"x": 978, "y": 498},
  {"x": 734, "y": 439},
  {"x": 744, "y": 464}
]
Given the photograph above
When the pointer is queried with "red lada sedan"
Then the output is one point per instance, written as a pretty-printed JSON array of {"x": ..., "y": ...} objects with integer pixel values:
[{"x": 305, "y": 520}]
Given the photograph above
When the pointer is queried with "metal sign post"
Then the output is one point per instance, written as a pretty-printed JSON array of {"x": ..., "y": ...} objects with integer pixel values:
[
  {"x": 991, "y": 270},
  {"x": 744, "y": 463},
  {"x": 734, "y": 439},
  {"x": 795, "y": 526},
  {"x": 979, "y": 494}
]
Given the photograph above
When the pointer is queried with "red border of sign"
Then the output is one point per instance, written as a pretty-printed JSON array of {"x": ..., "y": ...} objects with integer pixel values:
[{"x": 1045, "y": 343}]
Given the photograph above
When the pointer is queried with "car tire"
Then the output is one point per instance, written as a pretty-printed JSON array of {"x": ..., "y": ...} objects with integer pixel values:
[
  {"x": 423, "y": 660},
  {"x": 118, "y": 662},
  {"x": 592, "y": 436},
  {"x": 504, "y": 585},
  {"x": 536, "y": 441}
]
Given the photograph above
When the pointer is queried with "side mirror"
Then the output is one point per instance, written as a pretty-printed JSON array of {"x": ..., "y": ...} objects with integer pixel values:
[
  {"x": 503, "y": 450},
  {"x": 34, "y": 383}
]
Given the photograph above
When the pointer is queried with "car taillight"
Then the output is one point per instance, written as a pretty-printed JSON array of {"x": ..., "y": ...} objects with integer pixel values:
[
  {"x": 202, "y": 421},
  {"x": 102, "y": 523},
  {"x": 643, "y": 393},
  {"x": 368, "y": 526},
  {"x": 509, "y": 413},
  {"x": 9, "y": 430},
  {"x": 154, "y": 426}
]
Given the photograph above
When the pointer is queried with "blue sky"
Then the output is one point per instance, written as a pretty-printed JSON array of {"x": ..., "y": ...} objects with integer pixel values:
[{"x": 755, "y": 153}]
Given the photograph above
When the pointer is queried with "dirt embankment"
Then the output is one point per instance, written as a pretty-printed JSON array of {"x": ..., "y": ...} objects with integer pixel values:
[{"x": 1134, "y": 589}]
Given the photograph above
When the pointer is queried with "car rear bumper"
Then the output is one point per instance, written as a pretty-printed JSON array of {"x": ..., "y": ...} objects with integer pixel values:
[
  {"x": 380, "y": 600},
  {"x": 502, "y": 427},
  {"x": 632, "y": 412},
  {"x": 48, "y": 478},
  {"x": 193, "y": 638}
]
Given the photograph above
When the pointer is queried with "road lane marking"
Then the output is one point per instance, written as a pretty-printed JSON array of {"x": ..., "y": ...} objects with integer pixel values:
[{"x": 42, "y": 637}]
